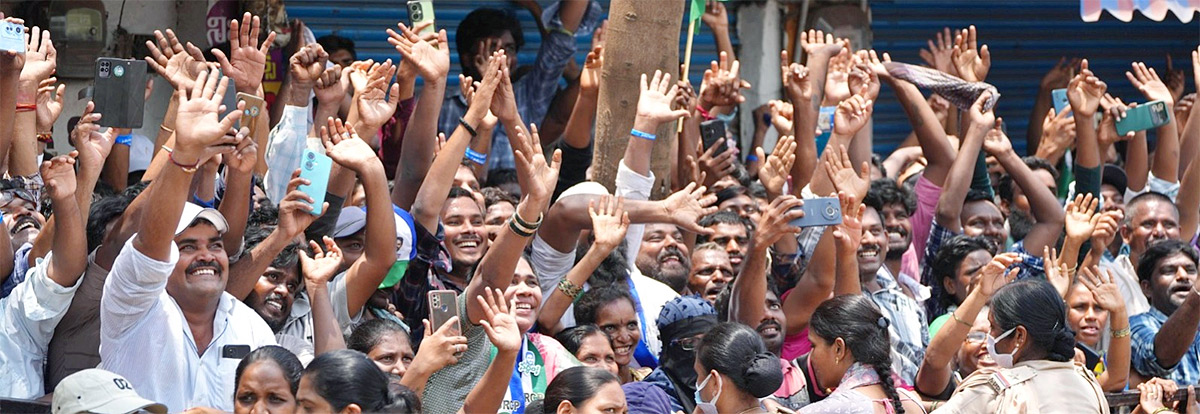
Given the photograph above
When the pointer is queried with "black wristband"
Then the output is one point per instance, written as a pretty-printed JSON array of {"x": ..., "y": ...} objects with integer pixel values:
[{"x": 470, "y": 129}]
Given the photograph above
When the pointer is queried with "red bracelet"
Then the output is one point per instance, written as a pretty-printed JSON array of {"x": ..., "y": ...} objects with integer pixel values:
[
  {"x": 185, "y": 167},
  {"x": 45, "y": 137},
  {"x": 26, "y": 107},
  {"x": 707, "y": 116}
]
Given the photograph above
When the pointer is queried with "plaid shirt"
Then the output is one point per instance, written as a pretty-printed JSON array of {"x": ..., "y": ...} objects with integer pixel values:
[
  {"x": 1144, "y": 327},
  {"x": 1031, "y": 266},
  {"x": 285, "y": 146},
  {"x": 424, "y": 273},
  {"x": 907, "y": 327},
  {"x": 535, "y": 90}
]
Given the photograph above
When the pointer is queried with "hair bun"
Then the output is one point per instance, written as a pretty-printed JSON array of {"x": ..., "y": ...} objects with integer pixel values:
[
  {"x": 1063, "y": 348},
  {"x": 763, "y": 375}
]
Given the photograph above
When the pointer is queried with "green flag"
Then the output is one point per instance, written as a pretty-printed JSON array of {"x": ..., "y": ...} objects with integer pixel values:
[{"x": 697, "y": 10}]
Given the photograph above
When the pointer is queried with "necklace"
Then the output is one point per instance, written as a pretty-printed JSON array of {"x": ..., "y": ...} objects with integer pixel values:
[{"x": 750, "y": 409}]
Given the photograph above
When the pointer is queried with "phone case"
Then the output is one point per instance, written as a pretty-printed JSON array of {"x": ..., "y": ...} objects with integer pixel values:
[
  {"x": 420, "y": 11},
  {"x": 1059, "y": 97},
  {"x": 443, "y": 305},
  {"x": 823, "y": 211},
  {"x": 1151, "y": 114},
  {"x": 315, "y": 167},
  {"x": 713, "y": 133},
  {"x": 120, "y": 92},
  {"x": 12, "y": 37},
  {"x": 254, "y": 107}
]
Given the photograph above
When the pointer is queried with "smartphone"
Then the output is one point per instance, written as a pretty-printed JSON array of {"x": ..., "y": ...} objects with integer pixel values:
[
  {"x": 1059, "y": 97},
  {"x": 1091, "y": 357},
  {"x": 443, "y": 305},
  {"x": 12, "y": 37},
  {"x": 825, "y": 125},
  {"x": 1151, "y": 114},
  {"x": 120, "y": 92},
  {"x": 421, "y": 11},
  {"x": 713, "y": 133},
  {"x": 822, "y": 211},
  {"x": 315, "y": 167},
  {"x": 235, "y": 351}
]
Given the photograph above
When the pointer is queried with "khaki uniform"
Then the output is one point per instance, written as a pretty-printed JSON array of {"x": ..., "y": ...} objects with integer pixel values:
[{"x": 1039, "y": 386}]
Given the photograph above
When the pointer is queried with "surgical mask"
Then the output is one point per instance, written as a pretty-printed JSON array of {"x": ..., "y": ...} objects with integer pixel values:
[
  {"x": 709, "y": 407},
  {"x": 1002, "y": 360}
]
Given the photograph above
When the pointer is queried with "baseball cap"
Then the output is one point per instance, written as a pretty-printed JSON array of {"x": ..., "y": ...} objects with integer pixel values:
[
  {"x": 1114, "y": 176},
  {"x": 99, "y": 391},
  {"x": 193, "y": 212},
  {"x": 350, "y": 221}
]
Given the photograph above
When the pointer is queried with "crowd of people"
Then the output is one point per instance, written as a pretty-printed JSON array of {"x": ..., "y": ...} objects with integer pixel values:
[{"x": 958, "y": 275}]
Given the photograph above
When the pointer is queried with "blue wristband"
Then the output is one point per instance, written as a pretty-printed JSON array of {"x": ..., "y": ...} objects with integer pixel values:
[
  {"x": 126, "y": 140},
  {"x": 476, "y": 157},
  {"x": 751, "y": 158},
  {"x": 641, "y": 134}
]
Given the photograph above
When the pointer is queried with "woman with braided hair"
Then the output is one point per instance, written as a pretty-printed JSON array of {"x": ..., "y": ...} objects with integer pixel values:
[{"x": 851, "y": 360}]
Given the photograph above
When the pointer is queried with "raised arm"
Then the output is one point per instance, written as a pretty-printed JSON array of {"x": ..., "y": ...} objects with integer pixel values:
[
  {"x": 797, "y": 84},
  {"x": 40, "y": 61},
  {"x": 958, "y": 181},
  {"x": 375, "y": 103},
  {"x": 347, "y": 149},
  {"x": 1084, "y": 94},
  {"x": 11, "y": 65},
  {"x": 716, "y": 19},
  {"x": 578, "y": 133},
  {"x": 246, "y": 64},
  {"x": 938, "y": 152},
  {"x": 537, "y": 177},
  {"x": 569, "y": 215},
  {"x": 1107, "y": 294},
  {"x": 69, "y": 260},
  {"x": 1042, "y": 202},
  {"x": 820, "y": 47},
  {"x": 937, "y": 368},
  {"x": 317, "y": 270},
  {"x": 295, "y": 215},
  {"x": 500, "y": 324},
  {"x": 653, "y": 109},
  {"x": 609, "y": 224},
  {"x": 1166, "y": 152},
  {"x": 749, "y": 290},
  {"x": 239, "y": 191},
  {"x": 1080, "y": 222},
  {"x": 848, "y": 238},
  {"x": 1175, "y": 336}
]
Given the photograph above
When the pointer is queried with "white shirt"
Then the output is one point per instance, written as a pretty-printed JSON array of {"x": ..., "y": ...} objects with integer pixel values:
[
  {"x": 28, "y": 317},
  {"x": 145, "y": 338},
  {"x": 1126, "y": 278}
]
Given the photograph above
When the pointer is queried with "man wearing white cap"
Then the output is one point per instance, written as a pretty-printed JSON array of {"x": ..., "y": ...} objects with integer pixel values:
[
  {"x": 166, "y": 322},
  {"x": 101, "y": 392}
]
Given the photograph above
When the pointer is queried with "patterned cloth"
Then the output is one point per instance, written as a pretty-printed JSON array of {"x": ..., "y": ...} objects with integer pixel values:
[
  {"x": 845, "y": 400},
  {"x": 536, "y": 89},
  {"x": 1031, "y": 265},
  {"x": 959, "y": 92},
  {"x": 907, "y": 325},
  {"x": 1144, "y": 327}
]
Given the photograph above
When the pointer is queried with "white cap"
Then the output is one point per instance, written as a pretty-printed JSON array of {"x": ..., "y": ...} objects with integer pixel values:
[
  {"x": 193, "y": 212},
  {"x": 99, "y": 391}
]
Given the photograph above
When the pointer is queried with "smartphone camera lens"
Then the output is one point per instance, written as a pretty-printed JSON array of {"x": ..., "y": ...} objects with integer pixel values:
[
  {"x": 311, "y": 156},
  {"x": 308, "y": 165},
  {"x": 830, "y": 212}
]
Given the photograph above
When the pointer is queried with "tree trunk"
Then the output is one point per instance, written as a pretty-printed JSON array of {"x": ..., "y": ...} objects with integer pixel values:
[{"x": 642, "y": 36}]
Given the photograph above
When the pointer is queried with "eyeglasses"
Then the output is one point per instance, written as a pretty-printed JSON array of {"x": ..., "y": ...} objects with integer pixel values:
[
  {"x": 977, "y": 337},
  {"x": 689, "y": 343}
]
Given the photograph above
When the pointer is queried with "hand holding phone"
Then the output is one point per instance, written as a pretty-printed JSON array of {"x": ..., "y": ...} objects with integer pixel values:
[
  {"x": 12, "y": 37},
  {"x": 120, "y": 92},
  {"x": 1149, "y": 115},
  {"x": 421, "y": 11},
  {"x": 713, "y": 133},
  {"x": 443, "y": 305},
  {"x": 822, "y": 211},
  {"x": 315, "y": 168}
]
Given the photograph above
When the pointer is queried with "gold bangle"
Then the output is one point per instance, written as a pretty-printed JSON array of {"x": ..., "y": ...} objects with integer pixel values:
[
  {"x": 955, "y": 316},
  {"x": 1121, "y": 333},
  {"x": 165, "y": 129}
]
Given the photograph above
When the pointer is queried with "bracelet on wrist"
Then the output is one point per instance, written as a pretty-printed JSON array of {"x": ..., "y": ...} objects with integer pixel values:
[
  {"x": 642, "y": 135},
  {"x": 703, "y": 113},
  {"x": 45, "y": 137},
  {"x": 187, "y": 168},
  {"x": 164, "y": 128},
  {"x": 512, "y": 225},
  {"x": 476, "y": 157},
  {"x": 751, "y": 158},
  {"x": 569, "y": 289},
  {"x": 26, "y": 107},
  {"x": 1121, "y": 333},
  {"x": 468, "y": 127},
  {"x": 960, "y": 321},
  {"x": 532, "y": 226},
  {"x": 126, "y": 140}
]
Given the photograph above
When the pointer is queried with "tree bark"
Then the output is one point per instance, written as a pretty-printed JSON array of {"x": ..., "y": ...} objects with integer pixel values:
[{"x": 642, "y": 36}]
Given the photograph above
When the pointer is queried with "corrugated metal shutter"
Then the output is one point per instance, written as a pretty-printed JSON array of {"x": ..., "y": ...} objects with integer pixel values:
[
  {"x": 1026, "y": 39},
  {"x": 364, "y": 21}
]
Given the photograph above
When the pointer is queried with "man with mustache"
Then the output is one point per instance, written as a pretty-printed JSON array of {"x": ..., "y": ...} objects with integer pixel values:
[
  {"x": 1150, "y": 217},
  {"x": 906, "y": 319},
  {"x": 24, "y": 222},
  {"x": 664, "y": 256},
  {"x": 164, "y": 300},
  {"x": 711, "y": 271},
  {"x": 896, "y": 204},
  {"x": 732, "y": 232},
  {"x": 1164, "y": 341}
]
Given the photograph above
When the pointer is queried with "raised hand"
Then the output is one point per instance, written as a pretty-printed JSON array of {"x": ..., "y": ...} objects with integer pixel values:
[
  {"x": 688, "y": 205},
  {"x": 781, "y": 116},
  {"x": 995, "y": 143},
  {"x": 484, "y": 93},
  {"x": 499, "y": 320},
  {"x": 837, "y": 86},
  {"x": 441, "y": 348},
  {"x": 295, "y": 210},
  {"x": 1057, "y": 272},
  {"x": 1175, "y": 80},
  {"x": 329, "y": 88},
  {"x": 49, "y": 104},
  {"x": 715, "y": 166},
  {"x": 323, "y": 264},
  {"x": 971, "y": 61},
  {"x": 1060, "y": 75},
  {"x": 179, "y": 65},
  {"x": 58, "y": 174},
  {"x": 1147, "y": 81},
  {"x": 1058, "y": 134},
  {"x": 940, "y": 56},
  {"x": 775, "y": 222},
  {"x": 244, "y": 156},
  {"x": 41, "y": 58},
  {"x": 849, "y": 233},
  {"x": 11, "y": 61},
  {"x": 722, "y": 83},
  {"x": 92, "y": 145},
  {"x": 872, "y": 61},
  {"x": 852, "y": 115},
  {"x": 468, "y": 87},
  {"x": 816, "y": 42},
  {"x": 199, "y": 134},
  {"x": 610, "y": 221},
  {"x": 589, "y": 78},
  {"x": 774, "y": 171},
  {"x": 1106, "y": 228},
  {"x": 980, "y": 118},
  {"x": 308, "y": 64},
  {"x": 796, "y": 83},
  {"x": 504, "y": 100},
  {"x": 1104, "y": 289},
  {"x": 843, "y": 176},
  {"x": 714, "y": 15},
  {"x": 1081, "y": 217},
  {"x": 1085, "y": 91},
  {"x": 654, "y": 103},
  {"x": 249, "y": 60},
  {"x": 993, "y": 276},
  {"x": 536, "y": 175},
  {"x": 344, "y": 146},
  {"x": 377, "y": 102},
  {"x": 432, "y": 57}
]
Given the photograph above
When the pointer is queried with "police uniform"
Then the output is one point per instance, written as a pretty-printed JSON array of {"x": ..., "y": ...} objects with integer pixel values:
[{"x": 1039, "y": 386}]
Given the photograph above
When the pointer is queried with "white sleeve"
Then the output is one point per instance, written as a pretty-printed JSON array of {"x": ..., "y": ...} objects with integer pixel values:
[
  {"x": 284, "y": 145},
  {"x": 36, "y": 305},
  {"x": 132, "y": 288},
  {"x": 340, "y": 300},
  {"x": 633, "y": 186},
  {"x": 549, "y": 265}
]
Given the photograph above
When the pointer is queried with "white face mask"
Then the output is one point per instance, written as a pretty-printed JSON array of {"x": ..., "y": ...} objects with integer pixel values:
[
  {"x": 1002, "y": 360},
  {"x": 709, "y": 407}
]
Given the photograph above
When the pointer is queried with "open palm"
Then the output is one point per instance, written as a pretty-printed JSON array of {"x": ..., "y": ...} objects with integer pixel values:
[
  {"x": 499, "y": 321},
  {"x": 654, "y": 103},
  {"x": 1145, "y": 80}
]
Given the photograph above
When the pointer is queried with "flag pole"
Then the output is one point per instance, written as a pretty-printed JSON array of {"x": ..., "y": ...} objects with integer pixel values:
[{"x": 687, "y": 62}]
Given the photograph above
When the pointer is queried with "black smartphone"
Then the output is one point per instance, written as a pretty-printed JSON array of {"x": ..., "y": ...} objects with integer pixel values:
[
  {"x": 713, "y": 133},
  {"x": 1091, "y": 358},
  {"x": 235, "y": 351},
  {"x": 120, "y": 92}
]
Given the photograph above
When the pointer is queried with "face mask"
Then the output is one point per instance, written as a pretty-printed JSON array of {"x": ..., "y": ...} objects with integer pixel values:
[
  {"x": 709, "y": 407},
  {"x": 1003, "y": 360}
]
